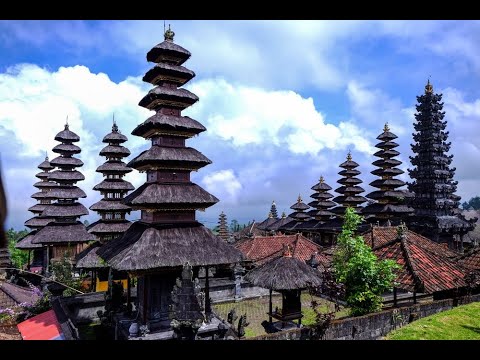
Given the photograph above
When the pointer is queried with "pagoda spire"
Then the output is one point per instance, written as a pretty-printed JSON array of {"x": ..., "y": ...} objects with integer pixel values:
[
  {"x": 222, "y": 227},
  {"x": 112, "y": 212},
  {"x": 321, "y": 201},
  {"x": 299, "y": 208},
  {"x": 168, "y": 236},
  {"x": 65, "y": 230},
  {"x": 350, "y": 188},
  {"x": 435, "y": 202},
  {"x": 391, "y": 202},
  {"x": 273, "y": 210}
]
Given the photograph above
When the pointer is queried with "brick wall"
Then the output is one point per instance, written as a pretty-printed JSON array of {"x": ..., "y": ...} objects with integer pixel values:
[{"x": 372, "y": 326}]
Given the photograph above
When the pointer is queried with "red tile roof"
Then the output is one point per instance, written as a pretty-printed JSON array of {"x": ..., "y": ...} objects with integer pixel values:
[
  {"x": 261, "y": 249},
  {"x": 471, "y": 260},
  {"x": 44, "y": 326},
  {"x": 426, "y": 266}
]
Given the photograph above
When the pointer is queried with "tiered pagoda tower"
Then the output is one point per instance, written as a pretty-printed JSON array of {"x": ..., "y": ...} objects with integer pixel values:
[
  {"x": 65, "y": 233},
  {"x": 321, "y": 203},
  {"x": 299, "y": 213},
  {"x": 435, "y": 201},
  {"x": 168, "y": 236},
  {"x": 391, "y": 201},
  {"x": 112, "y": 212},
  {"x": 222, "y": 227},
  {"x": 44, "y": 198},
  {"x": 273, "y": 210},
  {"x": 350, "y": 188}
]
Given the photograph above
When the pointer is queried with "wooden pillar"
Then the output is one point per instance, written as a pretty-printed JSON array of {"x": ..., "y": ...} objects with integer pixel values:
[
  {"x": 28, "y": 260},
  {"x": 208, "y": 308},
  {"x": 461, "y": 243},
  {"x": 145, "y": 289},
  {"x": 394, "y": 296},
  {"x": 270, "y": 308},
  {"x": 414, "y": 296},
  {"x": 48, "y": 259}
]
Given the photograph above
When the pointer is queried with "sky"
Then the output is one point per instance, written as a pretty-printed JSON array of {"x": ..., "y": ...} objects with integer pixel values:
[{"x": 283, "y": 101}]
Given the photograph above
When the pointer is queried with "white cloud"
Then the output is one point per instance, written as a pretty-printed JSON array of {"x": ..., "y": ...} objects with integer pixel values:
[
  {"x": 250, "y": 115},
  {"x": 223, "y": 184}
]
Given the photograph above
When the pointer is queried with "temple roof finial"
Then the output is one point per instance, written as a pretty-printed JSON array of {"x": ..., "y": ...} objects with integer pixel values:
[
  {"x": 299, "y": 200},
  {"x": 322, "y": 180},
  {"x": 66, "y": 124},
  {"x": 284, "y": 215},
  {"x": 428, "y": 87},
  {"x": 386, "y": 128},
  {"x": 114, "y": 126},
  {"x": 270, "y": 215},
  {"x": 46, "y": 155},
  {"x": 287, "y": 252},
  {"x": 349, "y": 156},
  {"x": 169, "y": 34}
]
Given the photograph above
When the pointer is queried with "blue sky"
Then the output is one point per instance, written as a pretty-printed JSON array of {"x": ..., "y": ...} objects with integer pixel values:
[{"x": 283, "y": 101}]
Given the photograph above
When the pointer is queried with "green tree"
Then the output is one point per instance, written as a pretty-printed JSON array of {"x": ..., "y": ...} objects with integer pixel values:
[
  {"x": 19, "y": 257},
  {"x": 62, "y": 271},
  {"x": 466, "y": 206},
  {"x": 475, "y": 203},
  {"x": 365, "y": 277},
  {"x": 234, "y": 226}
]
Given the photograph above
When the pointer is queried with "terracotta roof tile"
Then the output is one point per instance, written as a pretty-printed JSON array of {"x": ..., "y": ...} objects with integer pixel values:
[
  {"x": 426, "y": 265},
  {"x": 261, "y": 249}
]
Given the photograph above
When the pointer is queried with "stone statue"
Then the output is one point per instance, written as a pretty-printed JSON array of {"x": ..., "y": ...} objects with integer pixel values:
[
  {"x": 232, "y": 316},
  {"x": 242, "y": 324}
]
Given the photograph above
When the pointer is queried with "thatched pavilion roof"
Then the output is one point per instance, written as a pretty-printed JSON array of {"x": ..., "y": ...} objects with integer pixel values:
[
  {"x": 284, "y": 273},
  {"x": 114, "y": 184},
  {"x": 88, "y": 258},
  {"x": 146, "y": 246},
  {"x": 184, "y": 157},
  {"x": 108, "y": 227},
  {"x": 25, "y": 243},
  {"x": 66, "y": 149},
  {"x": 168, "y": 123},
  {"x": 169, "y": 50},
  {"x": 67, "y": 136},
  {"x": 57, "y": 233},
  {"x": 114, "y": 137},
  {"x": 177, "y": 73}
]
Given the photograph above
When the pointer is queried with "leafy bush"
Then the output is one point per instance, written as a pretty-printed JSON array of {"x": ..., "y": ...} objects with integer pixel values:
[
  {"x": 365, "y": 277},
  {"x": 19, "y": 257}
]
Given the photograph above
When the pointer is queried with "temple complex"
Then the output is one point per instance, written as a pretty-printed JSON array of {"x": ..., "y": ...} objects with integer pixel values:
[
  {"x": 168, "y": 238},
  {"x": 65, "y": 235},
  {"x": 390, "y": 201},
  {"x": 435, "y": 202}
]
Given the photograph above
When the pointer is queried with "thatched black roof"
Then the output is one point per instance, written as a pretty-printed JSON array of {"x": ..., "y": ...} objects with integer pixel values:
[
  {"x": 43, "y": 175},
  {"x": 160, "y": 95},
  {"x": 66, "y": 149},
  {"x": 25, "y": 243},
  {"x": 114, "y": 184},
  {"x": 69, "y": 162},
  {"x": 67, "y": 136},
  {"x": 379, "y": 194},
  {"x": 115, "y": 150},
  {"x": 114, "y": 137},
  {"x": 114, "y": 167},
  {"x": 284, "y": 273},
  {"x": 387, "y": 172},
  {"x": 55, "y": 233},
  {"x": 59, "y": 176},
  {"x": 67, "y": 192},
  {"x": 379, "y": 208},
  {"x": 65, "y": 210},
  {"x": 45, "y": 165},
  {"x": 147, "y": 246},
  {"x": 349, "y": 164},
  {"x": 349, "y": 172},
  {"x": 43, "y": 195},
  {"x": 109, "y": 226},
  {"x": 168, "y": 50},
  {"x": 38, "y": 221},
  {"x": 171, "y": 196},
  {"x": 178, "y": 74},
  {"x": 279, "y": 223},
  {"x": 88, "y": 258},
  {"x": 45, "y": 184},
  {"x": 110, "y": 205},
  {"x": 163, "y": 122},
  {"x": 265, "y": 224},
  {"x": 170, "y": 157},
  {"x": 37, "y": 208}
]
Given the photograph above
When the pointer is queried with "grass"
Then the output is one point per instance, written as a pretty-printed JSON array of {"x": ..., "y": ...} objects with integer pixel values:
[
  {"x": 256, "y": 310},
  {"x": 460, "y": 323}
]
